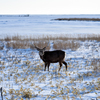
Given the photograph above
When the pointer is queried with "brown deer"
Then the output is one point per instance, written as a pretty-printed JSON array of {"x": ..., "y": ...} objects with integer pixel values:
[{"x": 52, "y": 57}]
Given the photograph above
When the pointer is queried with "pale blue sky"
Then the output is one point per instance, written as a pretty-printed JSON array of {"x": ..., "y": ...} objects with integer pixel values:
[{"x": 49, "y": 6}]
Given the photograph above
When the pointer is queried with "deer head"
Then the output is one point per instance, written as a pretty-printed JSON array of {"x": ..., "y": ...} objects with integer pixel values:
[{"x": 41, "y": 51}]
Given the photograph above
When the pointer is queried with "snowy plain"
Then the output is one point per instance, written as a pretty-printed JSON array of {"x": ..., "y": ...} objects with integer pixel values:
[
  {"x": 39, "y": 25},
  {"x": 22, "y": 71}
]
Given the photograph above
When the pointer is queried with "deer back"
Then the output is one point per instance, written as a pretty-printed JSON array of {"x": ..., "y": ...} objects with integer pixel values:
[{"x": 53, "y": 56}]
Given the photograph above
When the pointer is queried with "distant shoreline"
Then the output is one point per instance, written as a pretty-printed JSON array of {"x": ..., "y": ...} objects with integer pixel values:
[{"x": 77, "y": 19}]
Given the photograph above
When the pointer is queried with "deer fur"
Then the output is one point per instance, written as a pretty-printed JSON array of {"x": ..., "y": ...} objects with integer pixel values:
[{"x": 52, "y": 57}]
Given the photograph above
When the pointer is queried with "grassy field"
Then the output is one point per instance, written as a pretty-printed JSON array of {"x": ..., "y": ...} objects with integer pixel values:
[{"x": 22, "y": 75}]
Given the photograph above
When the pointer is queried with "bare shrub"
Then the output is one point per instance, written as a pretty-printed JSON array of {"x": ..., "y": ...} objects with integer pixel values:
[
  {"x": 16, "y": 38},
  {"x": 96, "y": 65},
  {"x": 7, "y": 38},
  {"x": 66, "y": 45},
  {"x": 59, "y": 45},
  {"x": 1, "y": 46},
  {"x": 42, "y": 44},
  {"x": 18, "y": 45},
  {"x": 89, "y": 37},
  {"x": 27, "y": 94}
]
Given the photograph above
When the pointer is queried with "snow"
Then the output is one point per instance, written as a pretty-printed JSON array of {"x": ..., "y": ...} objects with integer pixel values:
[
  {"x": 39, "y": 25},
  {"x": 21, "y": 71}
]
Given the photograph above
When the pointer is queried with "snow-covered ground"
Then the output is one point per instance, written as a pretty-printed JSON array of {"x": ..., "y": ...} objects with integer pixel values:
[
  {"x": 22, "y": 75},
  {"x": 39, "y": 25}
]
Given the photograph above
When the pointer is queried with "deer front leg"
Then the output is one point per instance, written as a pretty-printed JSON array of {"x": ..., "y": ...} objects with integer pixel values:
[
  {"x": 45, "y": 66},
  {"x": 48, "y": 66}
]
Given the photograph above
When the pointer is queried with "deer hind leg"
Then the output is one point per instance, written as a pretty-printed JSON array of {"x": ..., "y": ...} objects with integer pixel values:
[
  {"x": 60, "y": 63},
  {"x": 65, "y": 64}
]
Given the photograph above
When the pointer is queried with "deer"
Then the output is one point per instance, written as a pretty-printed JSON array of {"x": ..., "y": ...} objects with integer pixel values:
[{"x": 52, "y": 57}]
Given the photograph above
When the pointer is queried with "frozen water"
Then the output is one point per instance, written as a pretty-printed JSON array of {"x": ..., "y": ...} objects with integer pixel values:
[{"x": 36, "y": 25}]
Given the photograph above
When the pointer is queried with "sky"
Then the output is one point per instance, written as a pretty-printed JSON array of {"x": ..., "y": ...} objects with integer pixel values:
[{"x": 49, "y": 6}]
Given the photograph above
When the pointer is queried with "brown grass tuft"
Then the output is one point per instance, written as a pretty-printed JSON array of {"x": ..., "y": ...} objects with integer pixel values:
[
  {"x": 96, "y": 65},
  {"x": 18, "y": 45},
  {"x": 66, "y": 45}
]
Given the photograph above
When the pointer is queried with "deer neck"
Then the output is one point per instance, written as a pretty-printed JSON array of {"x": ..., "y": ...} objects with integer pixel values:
[{"x": 42, "y": 57}]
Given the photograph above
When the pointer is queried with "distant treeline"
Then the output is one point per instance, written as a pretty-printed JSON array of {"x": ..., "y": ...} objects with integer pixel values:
[
  {"x": 27, "y": 15},
  {"x": 77, "y": 19}
]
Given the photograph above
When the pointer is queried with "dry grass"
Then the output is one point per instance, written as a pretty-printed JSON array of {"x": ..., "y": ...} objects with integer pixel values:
[
  {"x": 42, "y": 44},
  {"x": 14, "y": 38},
  {"x": 60, "y": 42},
  {"x": 1, "y": 47},
  {"x": 63, "y": 37},
  {"x": 96, "y": 65},
  {"x": 18, "y": 45},
  {"x": 27, "y": 94},
  {"x": 66, "y": 45}
]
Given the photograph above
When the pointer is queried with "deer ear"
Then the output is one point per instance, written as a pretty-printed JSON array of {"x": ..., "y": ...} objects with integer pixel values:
[{"x": 44, "y": 48}]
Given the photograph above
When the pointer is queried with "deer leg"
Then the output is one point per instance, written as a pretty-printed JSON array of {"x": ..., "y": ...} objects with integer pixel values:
[
  {"x": 60, "y": 63},
  {"x": 48, "y": 66},
  {"x": 45, "y": 66},
  {"x": 65, "y": 64}
]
